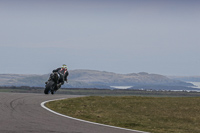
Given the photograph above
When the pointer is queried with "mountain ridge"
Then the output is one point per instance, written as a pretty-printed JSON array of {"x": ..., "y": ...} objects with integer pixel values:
[
  {"x": 83, "y": 78},
  {"x": 186, "y": 78}
]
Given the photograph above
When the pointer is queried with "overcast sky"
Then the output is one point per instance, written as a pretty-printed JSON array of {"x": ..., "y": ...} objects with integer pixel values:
[{"x": 121, "y": 36}]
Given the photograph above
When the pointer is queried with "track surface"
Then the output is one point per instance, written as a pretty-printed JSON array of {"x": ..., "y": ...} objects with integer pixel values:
[{"x": 22, "y": 113}]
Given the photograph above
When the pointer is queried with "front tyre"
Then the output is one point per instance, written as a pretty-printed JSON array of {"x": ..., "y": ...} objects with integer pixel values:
[{"x": 48, "y": 87}]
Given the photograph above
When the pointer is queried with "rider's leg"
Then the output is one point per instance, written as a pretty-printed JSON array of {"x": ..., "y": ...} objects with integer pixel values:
[{"x": 59, "y": 84}]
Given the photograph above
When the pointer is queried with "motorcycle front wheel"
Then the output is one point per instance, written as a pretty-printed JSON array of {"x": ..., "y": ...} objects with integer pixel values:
[{"x": 48, "y": 87}]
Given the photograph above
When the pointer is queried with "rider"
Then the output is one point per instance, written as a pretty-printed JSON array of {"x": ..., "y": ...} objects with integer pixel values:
[{"x": 63, "y": 73}]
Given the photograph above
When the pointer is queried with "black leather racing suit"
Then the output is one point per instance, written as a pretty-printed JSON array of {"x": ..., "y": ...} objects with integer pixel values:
[{"x": 63, "y": 75}]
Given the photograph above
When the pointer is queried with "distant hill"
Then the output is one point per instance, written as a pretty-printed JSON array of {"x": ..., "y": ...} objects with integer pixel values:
[
  {"x": 95, "y": 79},
  {"x": 22, "y": 80},
  {"x": 186, "y": 78},
  {"x": 132, "y": 79}
]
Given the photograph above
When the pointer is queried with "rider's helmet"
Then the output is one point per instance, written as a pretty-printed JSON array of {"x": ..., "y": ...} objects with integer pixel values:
[{"x": 64, "y": 66}]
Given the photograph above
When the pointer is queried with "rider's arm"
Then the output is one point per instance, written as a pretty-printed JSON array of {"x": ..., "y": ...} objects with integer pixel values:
[
  {"x": 56, "y": 70},
  {"x": 65, "y": 76}
]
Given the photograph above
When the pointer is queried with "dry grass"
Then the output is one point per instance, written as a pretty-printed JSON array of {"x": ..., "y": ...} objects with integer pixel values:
[{"x": 152, "y": 114}]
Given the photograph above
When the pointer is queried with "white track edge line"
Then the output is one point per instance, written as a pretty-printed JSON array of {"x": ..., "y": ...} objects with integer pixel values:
[{"x": 43, "y": 105}]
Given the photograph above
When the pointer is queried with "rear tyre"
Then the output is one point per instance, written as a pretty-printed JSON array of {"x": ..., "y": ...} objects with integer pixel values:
[{"x": 52, "y": 92}]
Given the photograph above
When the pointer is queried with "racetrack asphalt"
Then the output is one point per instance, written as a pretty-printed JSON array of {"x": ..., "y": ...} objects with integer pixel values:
[{"x": 22, "y": 113}]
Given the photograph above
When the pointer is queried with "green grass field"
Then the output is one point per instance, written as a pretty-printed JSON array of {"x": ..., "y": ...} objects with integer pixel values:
[{"x": 151, "y": 114}]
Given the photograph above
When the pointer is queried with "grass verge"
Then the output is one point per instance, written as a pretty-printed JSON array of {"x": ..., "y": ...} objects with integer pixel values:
[{"x": 152, "y": 114}]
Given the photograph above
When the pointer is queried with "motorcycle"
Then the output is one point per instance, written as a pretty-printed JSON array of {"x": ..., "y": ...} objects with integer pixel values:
[{"x": 51, "y": 84}]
